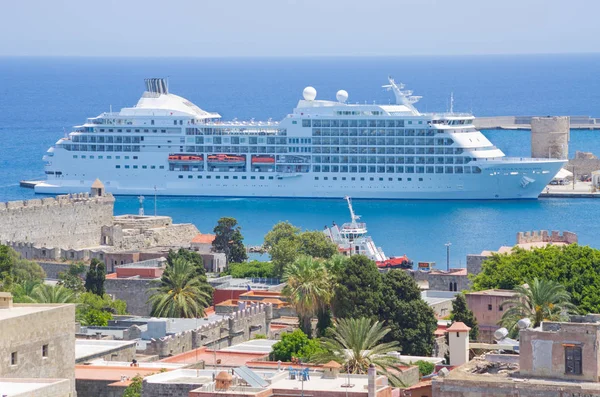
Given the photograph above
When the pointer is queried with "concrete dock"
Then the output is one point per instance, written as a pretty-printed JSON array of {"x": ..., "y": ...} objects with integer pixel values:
[
  {"x": 580, "y": 190},
  {"x": 524, "y": 123}
]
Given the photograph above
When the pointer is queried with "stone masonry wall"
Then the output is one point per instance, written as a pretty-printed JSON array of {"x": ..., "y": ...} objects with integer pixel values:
[
  {"x": 72, "y": 221},
  {"x": 26, "y": 334},
  {"x": 134, "y": 291},
  {"x": 542, "y": 236}
]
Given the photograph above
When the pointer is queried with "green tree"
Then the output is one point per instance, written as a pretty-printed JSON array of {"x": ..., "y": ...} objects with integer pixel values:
[
  {"x": 251, "y": 269},
  {"x": 14, "y": 269},
  {"x": 425, "y": 367},
  {"x": 356, "y": 343},
  {"x": 282, "y": 230},
  {"x": 308, "y": 288},
  {"x": 358, "y": 289},
  {"x": 193, "y": 257},
  {"x": 461, "y": 313},
  {"x": 95, "y": 277},
  {"x": 98, "y": 310},
  {"x": 180, "y": 294},
  {"x": 135, "y": 387},
  {"x": 22, "y": 291},
  {"x": 576, "y": 267},
  {"x": 295, "y": 345},
  {"x": 540, "y": 300},
  {"x": 72, "y": 278},
  {"x": 316, "y": 244},
  {"x": 44, "y": 293},
  {"x": 283, "y": 253},
  {"x": 411, "y": 321},
  {"x": 335, "y": 266},
  {"x": 229, "y": 240}
]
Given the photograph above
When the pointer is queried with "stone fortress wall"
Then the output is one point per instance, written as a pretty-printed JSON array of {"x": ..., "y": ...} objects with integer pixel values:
[
  {"x": 542, "y": 236},
  {"x": 69, "y": 221}
]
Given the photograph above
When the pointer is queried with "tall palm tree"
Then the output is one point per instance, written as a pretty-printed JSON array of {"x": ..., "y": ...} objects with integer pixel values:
[
  {"x": 45, "y": 293},
  {"x": 181, "y": 293},
  {"x": 539, "y": 300},
  {"x": 356, "y": 343},
  {"x": 308, "y": 288},
  {"x": 23, "y": 290}
]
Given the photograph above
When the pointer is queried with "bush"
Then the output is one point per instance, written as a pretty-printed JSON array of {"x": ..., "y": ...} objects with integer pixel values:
[
  {"x": 297, "y": 345},
  {"x": 260, "y": 336},
  {"x": 425, "y": 367},
  {"x": 251, "y": 269}
]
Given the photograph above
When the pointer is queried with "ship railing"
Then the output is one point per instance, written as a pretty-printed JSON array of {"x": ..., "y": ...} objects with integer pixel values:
[{"x": 541, "y": 160}]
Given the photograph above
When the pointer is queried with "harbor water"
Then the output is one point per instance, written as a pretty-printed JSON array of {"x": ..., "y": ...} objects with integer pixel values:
[{"x": 42, "y": 98}]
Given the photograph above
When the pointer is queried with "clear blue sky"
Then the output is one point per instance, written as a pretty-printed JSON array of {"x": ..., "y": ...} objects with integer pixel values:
[{"x": 297, "y": 27}]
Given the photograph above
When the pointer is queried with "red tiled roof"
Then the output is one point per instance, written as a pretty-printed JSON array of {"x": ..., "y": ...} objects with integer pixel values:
[
  {"x": 230, "y": 359},
  {"x": 458, "y": 327},
  {"x": 203, "y": 238}
]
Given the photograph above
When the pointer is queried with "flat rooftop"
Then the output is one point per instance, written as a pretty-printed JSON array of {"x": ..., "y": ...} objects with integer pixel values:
[
  {"x": 213, "y": 358},
  {"x": 199, "y": 376},
  {"x": 318, "y": 383},
  {"x": 20, "y": 309},
  {"x": 90, "y": 347},
  {"x": 494, "y": 292},
  {"x": 256, "y": 346},
  {"x": 22, "y": 387}
]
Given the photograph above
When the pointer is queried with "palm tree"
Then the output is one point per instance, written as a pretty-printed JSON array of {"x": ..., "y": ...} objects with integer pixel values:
[
  {"x": 22, "y": 291},
  {"x": 45, "y": 293},
  {"x": 540, "y": 300},
  {"x": 308, "y": 288},
  {"x": 181, "y": 293},
  {"x": 355, "y": 343}
]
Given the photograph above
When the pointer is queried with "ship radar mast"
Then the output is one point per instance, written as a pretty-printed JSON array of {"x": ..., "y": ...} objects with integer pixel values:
[
  {"x": 353, "y": 216},
  {"x": 403, "y": 97}
]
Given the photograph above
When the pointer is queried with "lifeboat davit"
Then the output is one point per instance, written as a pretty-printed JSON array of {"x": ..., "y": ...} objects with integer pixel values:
[
  {"x": 185, "y": 158},
  {"x": 260, "y": 160},
  {"x": 401, "y": 262},
  {"x": 219, "y": 160}
]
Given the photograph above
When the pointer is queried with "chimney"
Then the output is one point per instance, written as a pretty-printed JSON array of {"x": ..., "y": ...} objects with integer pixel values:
[
  {"x": 458, "y": 343},
  {"x": 6, "y": 300},
  {"x": 223, "y": 381},
  {"x": 331, "y": 370},
  {"x": 371, "y": 387}
]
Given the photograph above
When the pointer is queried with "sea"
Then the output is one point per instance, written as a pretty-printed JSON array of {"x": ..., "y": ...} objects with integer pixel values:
[{"x": 42, "y": 98}]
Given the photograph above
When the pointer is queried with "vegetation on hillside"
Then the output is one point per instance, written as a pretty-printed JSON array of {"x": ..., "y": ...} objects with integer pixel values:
[{"x": 229, "y": 240}]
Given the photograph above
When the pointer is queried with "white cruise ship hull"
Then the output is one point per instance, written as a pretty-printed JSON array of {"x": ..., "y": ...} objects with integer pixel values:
[{"x": 500, "y": 180}]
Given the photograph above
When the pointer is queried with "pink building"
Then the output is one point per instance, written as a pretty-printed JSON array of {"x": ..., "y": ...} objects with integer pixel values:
[{"x": 488, "y": 310}]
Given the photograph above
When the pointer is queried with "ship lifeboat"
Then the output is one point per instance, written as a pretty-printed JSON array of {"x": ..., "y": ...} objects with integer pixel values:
[
  {"x": 401, "y": 262},
  {"x": 263, "y": 160},
  {"x": 219, "y": 160},
  {"x": 185, "y": 158}
]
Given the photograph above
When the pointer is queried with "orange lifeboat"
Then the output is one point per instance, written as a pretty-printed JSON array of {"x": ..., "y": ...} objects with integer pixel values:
[
  {"x": 259, "y": 160},
  {"x": 186, "y": 158},
  {"x": 217, "y": 160},
  {"x": 401, "y": 262}
]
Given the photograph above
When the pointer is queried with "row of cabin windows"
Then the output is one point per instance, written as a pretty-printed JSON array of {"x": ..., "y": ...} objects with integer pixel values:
[
  {"x": 398, "y": 169},
  {"x": 144, "y": 167},
  {"x": 243, "y": 177},
  {"x": 384, "y": 141},
  {"x": 231, "y": 131},
  {"x": 359, "y": 123},
  {"x": 101, "y": 148},
  {"x": 372, "y": 133},
  {"x": 106, "y": 139},
  {"x": 14, "y": 356},
  {"x": 391, "y": 159},
  {"x": 362, "y": 179},
  {"x": 101, "y": 157}
]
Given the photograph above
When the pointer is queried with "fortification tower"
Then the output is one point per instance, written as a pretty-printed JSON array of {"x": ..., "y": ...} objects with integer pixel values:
[
  {"x": 97, "y": 189},
  {"x": 550, "y": 137}
]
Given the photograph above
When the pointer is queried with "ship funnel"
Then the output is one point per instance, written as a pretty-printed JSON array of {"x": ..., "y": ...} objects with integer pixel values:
[{"x": 156, "y": 85}]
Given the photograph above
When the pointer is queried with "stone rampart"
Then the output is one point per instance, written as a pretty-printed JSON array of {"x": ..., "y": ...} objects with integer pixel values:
[
  {"x": 69, "y": 221},
  {"x": 134, "y": 291},
  {"x": 542, "y": 236},
  {"x": 238, "y": 327}
]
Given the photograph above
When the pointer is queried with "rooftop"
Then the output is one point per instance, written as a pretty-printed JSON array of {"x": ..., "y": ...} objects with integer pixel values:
[
  {"x": 25, "y": 309},
  {"x": 494, "y": 292},
  {"x": 17, "y": 387},
  {"x": 203, "y": 238},
  {"x": 212, "y": 357},
  {"x": 88, "y": 347}
]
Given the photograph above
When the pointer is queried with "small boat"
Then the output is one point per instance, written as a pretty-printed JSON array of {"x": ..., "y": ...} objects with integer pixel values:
[
  {"x": 401, "y": 262},
  {"x": 185, "y": 158},
  {"x": 263, "y": 160},
  {"x": 218, "y": 160}
]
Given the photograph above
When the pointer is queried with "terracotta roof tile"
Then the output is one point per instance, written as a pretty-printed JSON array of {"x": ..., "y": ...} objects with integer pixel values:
[{"x": 458, "y": 327}]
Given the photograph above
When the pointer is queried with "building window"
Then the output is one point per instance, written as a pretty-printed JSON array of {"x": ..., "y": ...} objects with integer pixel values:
[
  {"x": 489, "y": 307},
  {"x": 45, "y": 351},
  {"x": 572, "y": 360},
  {"x": 13, "y": 358}
]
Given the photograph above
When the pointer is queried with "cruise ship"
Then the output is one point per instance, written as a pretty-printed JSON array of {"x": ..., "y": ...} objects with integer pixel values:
[{"x": 166, "y": 145}]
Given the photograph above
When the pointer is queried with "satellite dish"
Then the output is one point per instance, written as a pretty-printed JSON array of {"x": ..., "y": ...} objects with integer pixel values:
[
  {"x": 342, "y": 96},
  {"x": 309, "y": 93},
  {"x": 500, "y": 334},
  {"x": 524, "y": 323}
]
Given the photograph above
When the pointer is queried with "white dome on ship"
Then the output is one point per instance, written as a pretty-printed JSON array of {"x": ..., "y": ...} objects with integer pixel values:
[
  {"x": 309, "y": 93},
  {"x": 342, "y": 96}
]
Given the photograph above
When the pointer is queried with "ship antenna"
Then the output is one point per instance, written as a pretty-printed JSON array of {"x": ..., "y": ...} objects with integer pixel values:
[{"x": 452, "y": 103}]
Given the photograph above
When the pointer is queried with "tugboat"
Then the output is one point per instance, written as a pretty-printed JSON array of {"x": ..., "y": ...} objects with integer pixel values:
[{"x": 352, "y": 239}]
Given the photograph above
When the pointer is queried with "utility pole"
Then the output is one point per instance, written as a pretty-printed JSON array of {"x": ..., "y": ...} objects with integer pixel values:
[
  {"x": 573, "y": 177},
  {"x": 154, "y": 200},
  {"x": 448, "y": 244}
]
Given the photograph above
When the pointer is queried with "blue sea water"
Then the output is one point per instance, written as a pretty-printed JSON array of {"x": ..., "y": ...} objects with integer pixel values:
[{"x": 41, "y": 98}]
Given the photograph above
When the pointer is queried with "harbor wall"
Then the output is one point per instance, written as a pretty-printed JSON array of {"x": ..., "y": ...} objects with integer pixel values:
[
  {"x": 69, "y": 221},
  {"x": 550, "y": 137}
]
